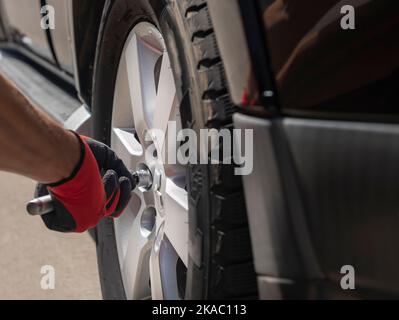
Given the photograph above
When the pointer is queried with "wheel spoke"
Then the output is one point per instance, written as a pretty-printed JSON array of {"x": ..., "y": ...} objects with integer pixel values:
[
  {"x": 163, "y": 264},
  {"x": 127, "y": 147},
  {"x": 165, "y": 99},
  {"x": 155, "y": 276},
  {"x": 122, "y": 110},
  {"x": 176, "y": 218},
  {"x": 168, "y": 265},
  {"x": 141, "y": 59},
  {"x": 155, "y": 267},
  {"x": 135, "y": 267}
]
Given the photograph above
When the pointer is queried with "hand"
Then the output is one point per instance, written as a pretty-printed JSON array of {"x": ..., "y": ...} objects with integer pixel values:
[{"x": 100, "y": 186}]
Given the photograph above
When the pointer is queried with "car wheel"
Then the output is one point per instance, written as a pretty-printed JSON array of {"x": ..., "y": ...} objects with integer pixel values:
[{"x": 185, "y": 233}]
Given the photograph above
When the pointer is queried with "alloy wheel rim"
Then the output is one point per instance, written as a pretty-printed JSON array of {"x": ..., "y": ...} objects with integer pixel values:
[{"x": 152, "y": 234}]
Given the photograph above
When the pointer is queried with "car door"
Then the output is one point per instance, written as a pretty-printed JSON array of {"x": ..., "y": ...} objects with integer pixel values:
[
  {"x": 336, "y": 141},
  {"x": 21, "y": 19}
]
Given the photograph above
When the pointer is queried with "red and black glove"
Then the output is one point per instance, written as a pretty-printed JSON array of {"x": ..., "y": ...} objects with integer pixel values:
[{"x": 100, "y": 186}]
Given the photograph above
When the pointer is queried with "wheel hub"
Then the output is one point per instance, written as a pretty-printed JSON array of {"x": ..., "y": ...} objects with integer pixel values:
[{"x": 144, "y": 176}]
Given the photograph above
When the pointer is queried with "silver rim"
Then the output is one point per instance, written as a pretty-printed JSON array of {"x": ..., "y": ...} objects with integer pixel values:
[{"x": 152, "y": 234}]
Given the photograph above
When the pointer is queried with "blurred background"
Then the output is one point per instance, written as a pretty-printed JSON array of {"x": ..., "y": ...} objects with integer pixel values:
[{"x": 26, "y": 245}]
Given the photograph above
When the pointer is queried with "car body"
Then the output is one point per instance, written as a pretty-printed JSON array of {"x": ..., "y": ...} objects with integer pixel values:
[{"x": 321, "y": 101}]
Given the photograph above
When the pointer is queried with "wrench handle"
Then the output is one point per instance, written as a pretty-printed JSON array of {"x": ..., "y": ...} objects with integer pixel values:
[
  {"x": 40, "y": 206},
  {"x": 44, "y": 205}
]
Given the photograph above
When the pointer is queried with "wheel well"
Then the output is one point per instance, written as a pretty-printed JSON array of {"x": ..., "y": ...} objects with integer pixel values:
[{"x": 87, "y": 19}]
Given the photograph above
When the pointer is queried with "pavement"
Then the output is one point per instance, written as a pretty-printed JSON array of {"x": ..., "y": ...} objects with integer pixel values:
[{"x": 26, "y": 246}]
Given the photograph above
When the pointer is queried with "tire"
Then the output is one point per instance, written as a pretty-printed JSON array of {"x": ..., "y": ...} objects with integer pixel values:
[{"x": 220, "y": 257}]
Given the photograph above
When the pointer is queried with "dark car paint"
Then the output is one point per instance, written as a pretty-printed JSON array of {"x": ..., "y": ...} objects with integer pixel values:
[
  {"x": 342, "y": 174},
  {"x": 318, "y": 66}
]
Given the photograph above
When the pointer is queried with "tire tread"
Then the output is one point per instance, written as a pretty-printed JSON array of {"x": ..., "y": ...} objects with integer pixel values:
[{"x": 232, "y": 272}]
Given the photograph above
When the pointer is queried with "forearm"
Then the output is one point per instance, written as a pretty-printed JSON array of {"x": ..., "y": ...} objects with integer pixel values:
[{"x": 31, "y": 143}]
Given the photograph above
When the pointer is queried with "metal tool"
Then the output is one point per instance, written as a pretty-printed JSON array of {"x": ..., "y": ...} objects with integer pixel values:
[
  {"x": 40, "y": 206},
  {"x": 44, "y": 205}
]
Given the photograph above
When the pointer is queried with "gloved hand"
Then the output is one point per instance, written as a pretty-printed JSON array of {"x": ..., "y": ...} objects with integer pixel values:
[{"x": 100, "y": 186}]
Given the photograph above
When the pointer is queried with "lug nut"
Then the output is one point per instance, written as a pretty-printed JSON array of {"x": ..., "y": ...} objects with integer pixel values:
[{"x": 144, "y": 178}]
